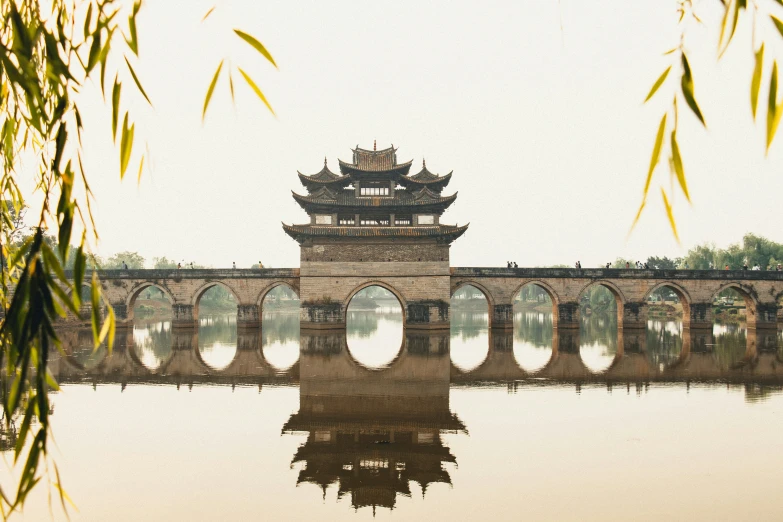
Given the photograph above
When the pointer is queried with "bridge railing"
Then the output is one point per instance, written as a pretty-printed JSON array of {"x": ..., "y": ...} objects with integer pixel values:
[
  {"x": 194, "y": 273},
  {"x": 616, "y": 273}
]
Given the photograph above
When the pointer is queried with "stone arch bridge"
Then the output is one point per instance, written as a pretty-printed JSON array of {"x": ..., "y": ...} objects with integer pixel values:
[{"x": 425, "y": 297}]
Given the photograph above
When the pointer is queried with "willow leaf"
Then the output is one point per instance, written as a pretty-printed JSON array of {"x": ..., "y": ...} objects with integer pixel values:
[
  {"x": 231, "y": 86},
  {"x": 670, "y": 215},
  {"x": 778, "y": 24},
  {"x": 208, "y": 13},
  {"x": 678, "y": 169},
  {"x": 258, "y": 46},
  {"x": 773, "y": 115},
  {"x": 687, "y": 90},
  {"x": 756, "y": 81},
  {"x": 115, "y": 107},
  {"x": 126, "y": 145},
  {"x": 141, "y": 167},
  {"x": 211, "y": 89},
  {"x": 638, "y": 215},
  {"x": 96, "y": 310},
  {"x": 138, "y": 83},
  {"x": 255, "y": 88},
  {"x": 658, "y": 83},
  {"x": 656, "y": 154}
]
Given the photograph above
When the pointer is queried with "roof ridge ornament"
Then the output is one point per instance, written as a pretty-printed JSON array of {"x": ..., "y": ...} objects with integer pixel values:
[
  {"x": 324, "y": 161},
  {"x": 374, "y": 145}
]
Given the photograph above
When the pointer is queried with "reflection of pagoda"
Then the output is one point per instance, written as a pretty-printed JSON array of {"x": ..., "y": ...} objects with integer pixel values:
[{"x": 372, "y": 433}]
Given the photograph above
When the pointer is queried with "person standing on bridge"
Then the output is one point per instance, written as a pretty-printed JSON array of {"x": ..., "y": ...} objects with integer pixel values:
[
  {"x": 124, "y": 265},
  {"x": 235, "y": 265},
  {"x": 515, "y": 265}
]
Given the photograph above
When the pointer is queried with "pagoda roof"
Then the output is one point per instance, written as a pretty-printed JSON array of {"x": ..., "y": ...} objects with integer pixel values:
[
  {"x": 324, "y": 177},
  {"x": 373, "y": 169},
  {"x": 442, "y": 232},
  {"x": 424, "y": 200},
  {"x": 425, "y": 178}
]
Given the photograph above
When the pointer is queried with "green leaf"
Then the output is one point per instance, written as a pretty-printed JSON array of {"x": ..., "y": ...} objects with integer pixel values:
[
  {"x": 95, "y": 294},
  {"x": 141, "y": 167},
  {"x": 115, "y": 107},
  {"x": 658, "y": 83},
  {"x": 678, "y": 170},
  {"x": 670, "y": 215},
  {"x": 95, "y": 51},
  {"x": 687, "y": 89},
  {"x": 133, "y": 42},
  {"x": 730, "y": 17},
  {"x": 138, "y": 83},
  {"x": 255, "y": 88},
  {"x": 656, "y": 153},
  {"x": 87, "y": 21},
  {"x": 126, "y": 145},
  {"x": 231, "y": 86},
  {"x": 773, "y": 115},
  {"x": 778, "y": 24},
  {"x": 756, "y": 81},
  {"x": 208, "y": 13},
  {"x": 258, "y": 46},
  {"x": 211, "y": 89},
  {"x": 638, "y": 215}
]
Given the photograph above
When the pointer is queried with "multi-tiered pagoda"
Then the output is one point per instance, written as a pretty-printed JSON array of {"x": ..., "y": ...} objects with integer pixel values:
[
  {"x": 374, "y": 197},
  {"x": 374, "y": 223}
]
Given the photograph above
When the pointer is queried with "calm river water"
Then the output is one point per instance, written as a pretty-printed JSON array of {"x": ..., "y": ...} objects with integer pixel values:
[{"x": 377, "y": 422}]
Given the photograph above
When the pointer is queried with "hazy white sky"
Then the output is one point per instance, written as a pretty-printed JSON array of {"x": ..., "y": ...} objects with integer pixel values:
[{"x": 535, "y": 105}]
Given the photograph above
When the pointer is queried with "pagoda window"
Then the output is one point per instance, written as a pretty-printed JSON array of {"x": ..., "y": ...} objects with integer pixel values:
[
  {"x": 346, "y": 220},
  {"x": 374, "y": 189},
  {"x": 323, "y": 219},
  {"x": 374, "y": 221},
  {"x": 402, "y": 220},
  {"x": 426, "y": 219}
]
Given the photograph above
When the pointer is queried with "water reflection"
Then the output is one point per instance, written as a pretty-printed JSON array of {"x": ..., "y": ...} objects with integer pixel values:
[{"x": 370, "y": 435}]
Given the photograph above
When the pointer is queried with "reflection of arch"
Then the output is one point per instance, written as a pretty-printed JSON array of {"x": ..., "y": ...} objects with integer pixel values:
[
  {"x": 480, "y": 288},
  {"x": 138, "y": 289},
  {"x": 358, "y": 364},
  {"x": 275, "y": 284},
  {"x": 204, "y": 289}
]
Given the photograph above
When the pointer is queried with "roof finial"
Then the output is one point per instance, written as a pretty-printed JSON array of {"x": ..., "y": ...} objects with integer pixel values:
[
  {"x": 324, "y": 161},
  {"x": 374, "y": 145},
  {"x": 423, "y": 163}
]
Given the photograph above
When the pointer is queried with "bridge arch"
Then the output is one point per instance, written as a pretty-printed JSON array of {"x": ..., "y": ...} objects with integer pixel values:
[
  {"x": 681, "y": 293},
  {"x": 478, "y": 286},
  {"x": 199, "y": 293},
  {"x": 136, "y": 290},
  {"x": 751, "y": 300},
  {"x": 618, "y": 295},
  {"x": 544, "y": 286},
  {"x": 275, "y": 284},
  {"x": 383, "y": 285}
]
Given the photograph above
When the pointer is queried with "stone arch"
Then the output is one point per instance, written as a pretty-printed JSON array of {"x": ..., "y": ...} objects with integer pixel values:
[
  {"x": 487, "y": 295},
  {"x": 199, "y": 293},
  {"x": 682, "y": 295},
  {"x": 385, "y": 286},
  {"x": 262, "y": 295},
  {"x": 751, "y": 300},
  {"x": 478, "y": 286},
  {"x": 130, "y": 301},
  {"x": 545, "y": 286},
  {"x": 619, "y": 297}
]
